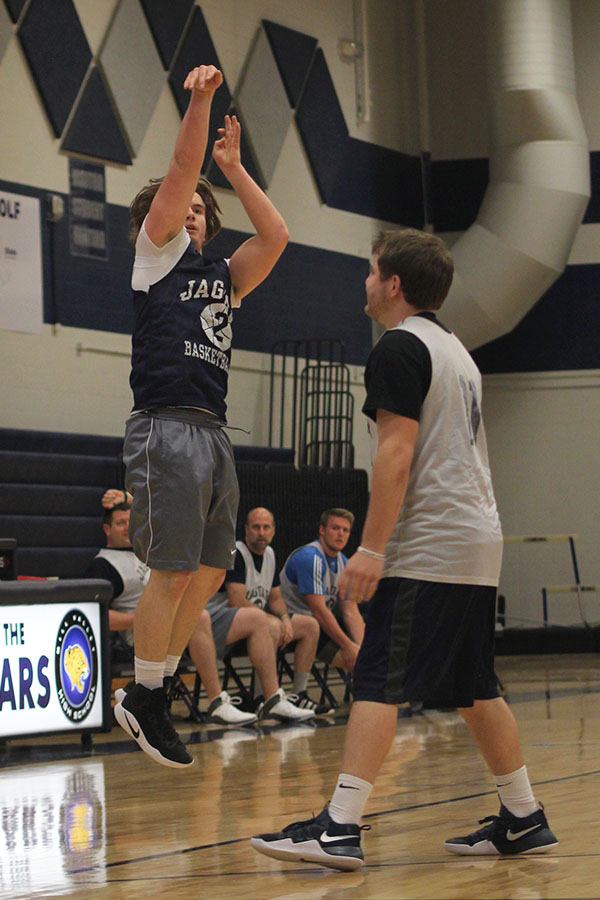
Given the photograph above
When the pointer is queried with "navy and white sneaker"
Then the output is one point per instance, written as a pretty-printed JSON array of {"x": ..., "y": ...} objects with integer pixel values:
[
  {"x": 317, "y": 840},
  {"x": 506, "y": 835}
]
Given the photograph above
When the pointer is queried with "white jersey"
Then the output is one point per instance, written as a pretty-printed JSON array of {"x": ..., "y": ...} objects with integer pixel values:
[
  {"x": 134, "y": 575},
  {"x": 448, "y": 529},
  {"x": 258, "y": 584}
]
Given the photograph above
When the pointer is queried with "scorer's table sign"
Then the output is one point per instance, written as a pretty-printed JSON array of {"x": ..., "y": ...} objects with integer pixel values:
[{"x": 50, "y": 678}]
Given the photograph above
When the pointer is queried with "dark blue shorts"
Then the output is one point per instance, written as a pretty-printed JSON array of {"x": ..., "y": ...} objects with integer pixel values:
[
  {"x": 327, "y": 648},
  {"x": 430, "y": 642}
]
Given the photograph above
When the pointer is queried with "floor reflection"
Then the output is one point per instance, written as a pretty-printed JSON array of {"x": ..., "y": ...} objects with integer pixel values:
[{"x": 53, "y": 825}]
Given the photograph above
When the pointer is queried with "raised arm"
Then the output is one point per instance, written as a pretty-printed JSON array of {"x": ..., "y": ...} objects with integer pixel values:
[
  {"x": 254, "y": 259},
  {"x": 170, "y": 205}
]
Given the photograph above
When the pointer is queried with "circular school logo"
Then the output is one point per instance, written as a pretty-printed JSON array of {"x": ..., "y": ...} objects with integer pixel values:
[{"x": 76, "y": 665}]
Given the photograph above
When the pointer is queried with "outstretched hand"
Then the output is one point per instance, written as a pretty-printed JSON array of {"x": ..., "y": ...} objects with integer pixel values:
[
  {"x": 203, "y": 79},
  {"x": 226, "y": 151}
]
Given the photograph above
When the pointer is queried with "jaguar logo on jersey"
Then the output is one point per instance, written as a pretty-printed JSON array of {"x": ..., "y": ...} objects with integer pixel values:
[
  {"x": 216, "y": 322},
  {"x": 76, "y": 666}
]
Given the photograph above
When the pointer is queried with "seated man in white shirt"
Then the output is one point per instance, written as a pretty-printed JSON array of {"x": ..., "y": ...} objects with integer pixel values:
[
  {"x": 249, "y": 605},
  {"x": 118, "y": 564}
]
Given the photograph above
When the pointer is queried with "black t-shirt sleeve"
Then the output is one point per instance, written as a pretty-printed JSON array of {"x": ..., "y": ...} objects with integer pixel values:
[
  {"x": 237, "y": 575},
  {"x": 101, "y": 568},
  {"x": 398, "y": 375}
]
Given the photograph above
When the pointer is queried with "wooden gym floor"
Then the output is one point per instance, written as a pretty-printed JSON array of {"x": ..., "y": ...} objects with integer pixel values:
[{"x": 108, "y": 823}]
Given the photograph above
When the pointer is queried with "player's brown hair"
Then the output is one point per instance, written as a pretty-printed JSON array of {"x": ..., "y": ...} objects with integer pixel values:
[
  {"x": 420, "y": 260},
  {"x": 141, "y": 203}
]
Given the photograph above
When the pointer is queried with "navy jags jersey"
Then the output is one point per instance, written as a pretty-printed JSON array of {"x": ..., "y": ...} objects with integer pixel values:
[{"x": 181, "y": 347}]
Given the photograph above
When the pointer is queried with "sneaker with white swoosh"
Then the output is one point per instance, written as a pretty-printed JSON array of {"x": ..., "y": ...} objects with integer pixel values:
[
  {"x": 506, "y": 835},
  {"x": 319, "y": 840},
  {"x": 143, "y": 714}
]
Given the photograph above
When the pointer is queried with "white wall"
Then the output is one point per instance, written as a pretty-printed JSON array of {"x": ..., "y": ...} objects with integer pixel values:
[{"x": 543, "y": 433}]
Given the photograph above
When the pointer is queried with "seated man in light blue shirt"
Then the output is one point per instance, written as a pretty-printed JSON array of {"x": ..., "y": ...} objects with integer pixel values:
[{"x": 309, "y": 585}]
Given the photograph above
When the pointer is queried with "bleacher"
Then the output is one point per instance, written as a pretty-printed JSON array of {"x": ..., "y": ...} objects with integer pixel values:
[{"x": 51, "y": 485}]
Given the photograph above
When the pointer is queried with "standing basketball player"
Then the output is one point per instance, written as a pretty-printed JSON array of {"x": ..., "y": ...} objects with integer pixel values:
[
  {"x": 430, "y": 562},
  {"x": 180, "y": 466}
]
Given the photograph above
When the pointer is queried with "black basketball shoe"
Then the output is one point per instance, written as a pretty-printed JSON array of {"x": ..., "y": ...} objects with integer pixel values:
[
  {"x": 506, "y": 835},
  {"x": 319, "y": 840},
  {"x": 143, "y": 714},
  {"x": 120, "y": 693}
]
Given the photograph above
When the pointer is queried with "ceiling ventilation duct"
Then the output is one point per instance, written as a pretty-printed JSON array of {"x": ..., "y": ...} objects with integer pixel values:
[{"x": 539, "y": 172}]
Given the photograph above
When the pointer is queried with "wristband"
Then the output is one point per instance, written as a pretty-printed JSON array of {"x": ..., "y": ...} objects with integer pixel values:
[
  {"x": 371, "y": 553},
  {"x": 285, "y": 616}
]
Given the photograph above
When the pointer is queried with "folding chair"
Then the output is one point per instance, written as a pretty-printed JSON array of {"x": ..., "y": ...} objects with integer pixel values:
[
  {"x": 178, "y": 690},
  {"x": 284, "y": 667}
]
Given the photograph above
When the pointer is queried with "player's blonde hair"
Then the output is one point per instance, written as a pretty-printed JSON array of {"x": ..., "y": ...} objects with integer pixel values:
[{"x": 328, "y": 514}]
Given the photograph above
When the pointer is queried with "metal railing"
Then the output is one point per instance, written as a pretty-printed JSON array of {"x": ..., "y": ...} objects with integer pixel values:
[{"x": 311, "y": 407}]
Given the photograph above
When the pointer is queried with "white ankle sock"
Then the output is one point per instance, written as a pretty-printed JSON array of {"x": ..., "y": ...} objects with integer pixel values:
[
  {"x": 349, "y": 799},
  {"x": 149, "y": 673},
  {"x": 515, "y": 792},
  {"x": 171, "y": 663},
  {"x": 300, "y": 681}
]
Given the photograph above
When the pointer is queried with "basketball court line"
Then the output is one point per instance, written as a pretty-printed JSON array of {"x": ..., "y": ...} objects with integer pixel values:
[{"x": 400, "y": 809}]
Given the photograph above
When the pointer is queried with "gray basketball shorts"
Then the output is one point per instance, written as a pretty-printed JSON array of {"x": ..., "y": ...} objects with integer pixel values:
[
  {"x": 185, "y": 492},
  {"x": 221, "y": 620}
]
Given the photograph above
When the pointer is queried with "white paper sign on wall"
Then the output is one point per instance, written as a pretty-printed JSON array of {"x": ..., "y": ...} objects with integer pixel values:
[{"x": 21, "y": 293}]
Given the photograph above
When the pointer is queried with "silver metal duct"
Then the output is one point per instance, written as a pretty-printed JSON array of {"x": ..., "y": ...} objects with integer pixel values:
[{"x": 539, "y": 172}]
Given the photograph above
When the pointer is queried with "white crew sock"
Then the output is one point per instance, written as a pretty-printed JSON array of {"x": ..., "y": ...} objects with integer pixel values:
[
  {"x": 171, "y": 663},
  {"x": 300, "y": 681},
  {"x": 349, "y": 799},
  {"x": 149, "y": 673},
  {"x": 515, "y": 792}
]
